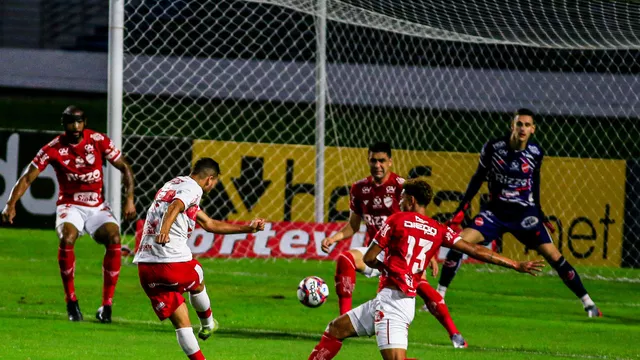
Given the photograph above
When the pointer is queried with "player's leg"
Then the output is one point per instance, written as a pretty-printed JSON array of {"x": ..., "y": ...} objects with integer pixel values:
[
  {"x": 569, "y": 276},
  {"x": 345, "y": 279},
  {"x": 436, "y": 306},
  {"x": 454, "y": 258},
  {"x": 202, "y": 304},
  {"x": 393, "y": 316},
  {"x": 68, "y": 222},
  {"x": 184, "y": 333},
  {"x": 104, "y": 229}
]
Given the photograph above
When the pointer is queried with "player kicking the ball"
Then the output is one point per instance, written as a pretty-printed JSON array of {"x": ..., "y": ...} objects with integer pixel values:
[
  {"x": 374, "y": 199},
  {"x": 409, "y": 239},
  {"x": 77, "y": 156},
  {"x": 166, "y": 266},
  {"x": 511, "y": 167}
]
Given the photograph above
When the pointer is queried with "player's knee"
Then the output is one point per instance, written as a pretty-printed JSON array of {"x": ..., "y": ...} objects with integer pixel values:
[
  {"x": 113, "y": 238},
  {"x": 337, "y": 329},
  {"x": 68, "y": 239}
]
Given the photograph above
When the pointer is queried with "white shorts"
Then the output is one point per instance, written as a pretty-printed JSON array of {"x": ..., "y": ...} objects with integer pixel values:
[
  {"x": 85, "y": 218},
  {"x": 369, "y": 272},
  {"x": 388, "y": 316}
]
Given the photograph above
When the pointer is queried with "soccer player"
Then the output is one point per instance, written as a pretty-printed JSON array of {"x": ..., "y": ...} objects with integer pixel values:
[
  {"x": 511, "y": 167},
  {"x": 77, "y": 156},
  {"x": 374, "y": 199},
  {"x": 408, "y": 239},
  {"x": 166, "y": 266}
]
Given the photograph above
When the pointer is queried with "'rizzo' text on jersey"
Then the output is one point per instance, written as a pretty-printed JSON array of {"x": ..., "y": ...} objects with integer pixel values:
[
  {"x": 376, "y": 202},
  {"x": 78, "y": 167}
]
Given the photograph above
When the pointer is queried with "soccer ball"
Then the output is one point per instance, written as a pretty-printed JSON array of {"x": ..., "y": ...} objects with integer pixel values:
[{"x": 312, "y": 291}]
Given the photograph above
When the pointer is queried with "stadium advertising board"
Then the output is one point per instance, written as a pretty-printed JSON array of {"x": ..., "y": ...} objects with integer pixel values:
[{"x": 587, "y": 205}]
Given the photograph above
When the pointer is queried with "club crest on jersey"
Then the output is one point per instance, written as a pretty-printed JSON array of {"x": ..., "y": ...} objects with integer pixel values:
[
  {"x": 366, "y": 190},
  {"x": 377, "y": 202},
  {"x": 529, "y": 222},
  {"x": 388, "y": 201},
  {"x": 479, "y": 221},
  {"x": 91, "y": 158},
  {"x": 63, "y": 151},
  {"x": 525, "y": 167},
  {"x": 378, "y": 316}
]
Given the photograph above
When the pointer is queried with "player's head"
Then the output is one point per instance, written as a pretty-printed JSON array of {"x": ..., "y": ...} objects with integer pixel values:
[
  {"x": 73, "y": 120},
  {"x": 416, "y": 194},
  {"x": 380, "y": 160},
  {"x": 523, "y": 125},
  {"x": 205, "y": 172}
]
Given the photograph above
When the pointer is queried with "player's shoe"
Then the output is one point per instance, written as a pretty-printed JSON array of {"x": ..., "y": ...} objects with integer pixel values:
[
  {"x": 459, "y": 342},
  {"x": 205, "y": 333},
  {"x": 73, "y": 310},
  {"x": 593, "y": 311},
  {"x": 104, "y": 314}
]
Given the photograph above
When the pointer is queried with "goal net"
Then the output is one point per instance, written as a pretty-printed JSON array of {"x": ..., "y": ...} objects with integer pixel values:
[{"x": 240, "y": 81}]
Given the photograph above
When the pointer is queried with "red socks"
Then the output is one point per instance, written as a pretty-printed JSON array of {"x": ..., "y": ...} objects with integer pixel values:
[
  {"x": 345, "y": 280},
  {"x": 327, "y": 348},
  {"x": 67, "y": 263},
  {"x": 437, "y": 307},
  {"x": 197, "y": 356},
  {"x": 110, "y": 272}
]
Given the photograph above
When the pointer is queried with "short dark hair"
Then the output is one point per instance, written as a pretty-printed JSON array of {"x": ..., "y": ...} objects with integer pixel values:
[
  {"x": 420, "y": 190},
  {"x": 380, "y": 146},
  {"x": 206, "y": 166},
  {"x": 72, "y": 114},
  {"x": 526, "y": 112}
]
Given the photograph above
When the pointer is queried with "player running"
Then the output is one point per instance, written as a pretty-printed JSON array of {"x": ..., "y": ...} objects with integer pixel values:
[
  {"x": 77, "y": 156},
  {"x": 374, "y": 199},
  {"x": 166, "y": 266},
  {"x": 511, "y": 166},
  {"x": 409, "y": 239}
]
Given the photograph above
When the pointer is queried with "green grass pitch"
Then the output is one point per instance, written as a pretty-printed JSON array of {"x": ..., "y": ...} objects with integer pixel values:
[{"x": 503, "y": 315}]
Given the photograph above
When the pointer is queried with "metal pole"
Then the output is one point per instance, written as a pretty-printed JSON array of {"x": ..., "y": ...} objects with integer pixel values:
[
  {"x": 114, "y": 98},
  {"x": 321, "y": 96}
]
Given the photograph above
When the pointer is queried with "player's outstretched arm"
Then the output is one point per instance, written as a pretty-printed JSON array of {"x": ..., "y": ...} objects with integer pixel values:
[
  {"x": 174, "y": 209},
  {"x": 9, "y": 211},
  {"x": 221, "y": 227},
  {"x": 483, "y": 254},
  {"x": 350, "y": 228},
  {"x": 129, "y": 206}
]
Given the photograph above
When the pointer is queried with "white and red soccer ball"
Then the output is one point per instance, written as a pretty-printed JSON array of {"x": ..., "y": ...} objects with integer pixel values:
[{"x": 312, "y": 291}]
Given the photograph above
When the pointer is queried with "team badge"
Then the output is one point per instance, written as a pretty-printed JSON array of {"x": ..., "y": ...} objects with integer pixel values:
[
  {"x": 379, "y": 316},
  {"x": 388, "y": 201},
  {"x": 91, "y": 158},
  {"x": 479, "y": 221}
]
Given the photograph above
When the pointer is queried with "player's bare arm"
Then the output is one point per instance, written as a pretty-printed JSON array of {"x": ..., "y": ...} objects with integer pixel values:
[
  {"x": 370, "y": 257},
  {"x": 435, "y": 268},
  {"x": 350, "y": 228},
  {"x": 27, "y": 178},
  {"x": 175, "y": 208},
  {"x": 129, "y": 206},
  {"x": 221, "y": 227},
  {"x": 483, "y": 254}
]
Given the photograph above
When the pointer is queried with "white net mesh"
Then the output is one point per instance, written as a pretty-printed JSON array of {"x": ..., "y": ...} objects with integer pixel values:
[{"x": 235, "y": 80}]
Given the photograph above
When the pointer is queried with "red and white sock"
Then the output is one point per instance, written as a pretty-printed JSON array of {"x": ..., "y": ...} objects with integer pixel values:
[
  {"x": 110, "y": 272},
  {"x": 67, "y": 264},
  {"x": 202, "y": 304},
  {"x": 189, "y": 343},
  {"x": 345, "y": 280},
  {"x": 327, "y": 348},
  {"x": 437, "y": 307}
]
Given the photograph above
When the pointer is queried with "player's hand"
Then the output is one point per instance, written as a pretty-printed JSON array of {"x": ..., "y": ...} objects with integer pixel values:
[
  {"x": 549, "y": 225},
  {"x": 435, "y": 268},
  {"x": 129, "y": 210},
  {"x": 162, "y": 238},
  {"x": 530, "y": 267},
  {"x": 8, "y": 213},
  {"x": 257, "y": 224},
  {"x": 326, "y": 244}
]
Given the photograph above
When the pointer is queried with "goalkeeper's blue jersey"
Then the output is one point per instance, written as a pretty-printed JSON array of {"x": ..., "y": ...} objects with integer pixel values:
[{"x": 513, "y": 176}]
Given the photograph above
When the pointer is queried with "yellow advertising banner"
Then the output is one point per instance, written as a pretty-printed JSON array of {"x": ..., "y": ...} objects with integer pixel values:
[{"x": 583, "y": 197}]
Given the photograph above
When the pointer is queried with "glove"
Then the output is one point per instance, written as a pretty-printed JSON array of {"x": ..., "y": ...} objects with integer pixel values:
[{"x": 456, "y": 221}]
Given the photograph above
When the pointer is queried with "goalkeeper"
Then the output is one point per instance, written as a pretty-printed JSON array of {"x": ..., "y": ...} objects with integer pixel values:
[{"x": 511, "y": 167}]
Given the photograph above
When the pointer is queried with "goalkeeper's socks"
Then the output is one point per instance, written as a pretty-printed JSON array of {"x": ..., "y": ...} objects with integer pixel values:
[
  {"x": 189, "y": 343},
  {"x": 67, "y": 264},
  {"x": 450, "y": 268},
  {"x": 570, "y": 277},
  {"x": 327, "y": 348},
  {"x": 345, "y": 280},
  {"x": 110, "y": 272},
  {"x": 201, "y": 303},
  {"x": 437, "y": 307}
]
